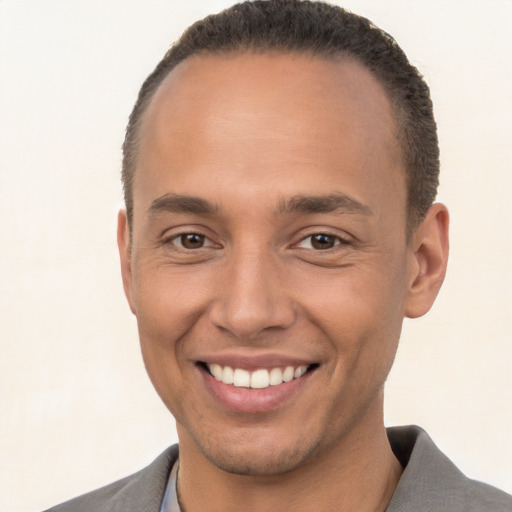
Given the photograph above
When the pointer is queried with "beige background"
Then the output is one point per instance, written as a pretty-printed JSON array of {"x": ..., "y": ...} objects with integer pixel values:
[{"x": 77, "y": 410}]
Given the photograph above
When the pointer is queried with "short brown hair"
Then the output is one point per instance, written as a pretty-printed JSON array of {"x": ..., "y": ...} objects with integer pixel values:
[{"x": 314, "y": 28}]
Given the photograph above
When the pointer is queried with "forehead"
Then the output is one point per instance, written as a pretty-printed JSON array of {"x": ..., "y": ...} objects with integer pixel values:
[
  {"x": 240, "y": 80},
  {"x": 271, "y": 118}
]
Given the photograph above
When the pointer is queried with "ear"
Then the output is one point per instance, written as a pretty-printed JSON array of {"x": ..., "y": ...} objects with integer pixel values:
[
  {"x": 124, "y": 245},
  {"x": 429, "y": 257}
]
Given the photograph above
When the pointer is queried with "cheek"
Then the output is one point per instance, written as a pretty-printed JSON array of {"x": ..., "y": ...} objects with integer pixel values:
[
  {"x": 168, "y": 302},
  {"x": 360, "y": 308},
  {"x": 166, "y": 312}
]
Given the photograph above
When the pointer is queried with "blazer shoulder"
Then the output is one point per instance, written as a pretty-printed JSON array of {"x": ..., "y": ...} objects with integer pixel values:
[
  {"x": 480, "y": 496},
  {"x": 431, "y": 482},
  {"x": 143, "y": 490}
]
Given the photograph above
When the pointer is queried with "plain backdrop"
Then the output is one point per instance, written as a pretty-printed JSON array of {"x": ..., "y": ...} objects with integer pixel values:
[{"x": 77, "y": 409}]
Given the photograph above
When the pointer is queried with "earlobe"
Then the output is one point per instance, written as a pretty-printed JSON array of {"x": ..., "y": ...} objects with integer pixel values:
[
  {"x": 124, "y": 245},
  {"x": 429, "y": 258}
]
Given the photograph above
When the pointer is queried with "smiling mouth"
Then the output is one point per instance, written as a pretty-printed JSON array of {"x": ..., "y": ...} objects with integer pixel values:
[{"x": 258, "y": 379}]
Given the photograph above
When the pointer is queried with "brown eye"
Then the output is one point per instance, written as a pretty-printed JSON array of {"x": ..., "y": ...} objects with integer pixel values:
[
  {"x": 192, "y": 241},
  {"x": 322, "y": 241}
]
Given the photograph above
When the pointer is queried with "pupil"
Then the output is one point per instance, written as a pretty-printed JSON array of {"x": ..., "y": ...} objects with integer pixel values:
[
  {"x": 192, "y": 241},
  {"x": 322, "y": 241}
]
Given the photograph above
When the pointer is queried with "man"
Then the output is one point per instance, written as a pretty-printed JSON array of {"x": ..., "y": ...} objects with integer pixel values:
[{"x": 280, "y": 167}]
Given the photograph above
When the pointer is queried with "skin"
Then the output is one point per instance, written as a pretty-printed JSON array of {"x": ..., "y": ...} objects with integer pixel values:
[{"x": 249, "y": 134}]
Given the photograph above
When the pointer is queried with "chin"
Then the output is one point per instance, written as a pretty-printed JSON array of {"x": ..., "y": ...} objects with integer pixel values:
[{"x": 262, "y": 457}]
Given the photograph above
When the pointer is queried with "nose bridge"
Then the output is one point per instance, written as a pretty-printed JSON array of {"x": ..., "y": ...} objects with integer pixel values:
[{"x": 251, "y": 297}]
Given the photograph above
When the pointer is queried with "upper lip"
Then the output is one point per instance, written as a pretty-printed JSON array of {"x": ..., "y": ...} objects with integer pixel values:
[{"x": 255, "y": 361}]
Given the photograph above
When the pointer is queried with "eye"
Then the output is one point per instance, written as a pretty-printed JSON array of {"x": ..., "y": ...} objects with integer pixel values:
[
  {"x": 320, "y": 241},
  {"x": 190, "y": 241}
]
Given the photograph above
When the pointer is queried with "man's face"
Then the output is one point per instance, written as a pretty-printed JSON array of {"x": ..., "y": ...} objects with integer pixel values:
[{"x": 269, "y": 233}]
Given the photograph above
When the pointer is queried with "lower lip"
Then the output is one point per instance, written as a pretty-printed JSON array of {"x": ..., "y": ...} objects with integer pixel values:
[{"x": 249, "y": 400}]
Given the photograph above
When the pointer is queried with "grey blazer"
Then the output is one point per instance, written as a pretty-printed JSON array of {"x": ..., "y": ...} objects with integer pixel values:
[
  {"x": 140, "y": 492},
  {"x": 429, "y": 483}
]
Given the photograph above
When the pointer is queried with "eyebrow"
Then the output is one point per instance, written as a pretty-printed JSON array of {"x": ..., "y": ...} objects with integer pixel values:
[
  {"x": 178, "y": 203},
  {"x": 323, "y": 204},
  {"x": 331, "y": 203}
]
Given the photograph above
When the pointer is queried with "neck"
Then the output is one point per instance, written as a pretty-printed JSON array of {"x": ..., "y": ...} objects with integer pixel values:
[{"x": 360, "y": 473}]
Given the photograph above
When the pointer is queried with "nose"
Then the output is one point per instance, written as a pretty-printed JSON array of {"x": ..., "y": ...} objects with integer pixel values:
[{"x": 251, "y": 298}]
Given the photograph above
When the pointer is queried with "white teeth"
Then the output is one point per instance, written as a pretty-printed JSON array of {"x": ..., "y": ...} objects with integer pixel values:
[
  {"x": 216, "y": 370},
  {"x": 258, "y": 379},
  {"x": 288, "y": 374},
  {"x": 276, "y": 376},
  {"x": 227, "y": 375},
  {"x": 299, "y": 372},
  {"x": 241, "y": 378}
]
